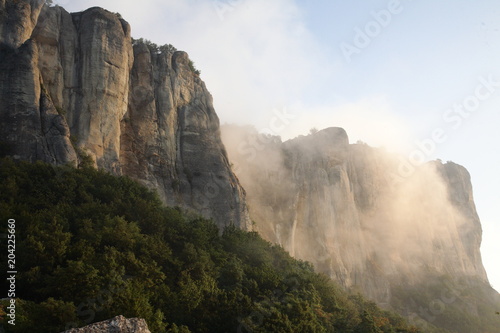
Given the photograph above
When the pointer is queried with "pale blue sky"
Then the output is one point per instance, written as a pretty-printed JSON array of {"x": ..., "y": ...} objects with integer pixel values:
[{"x": 259, "y": 56}]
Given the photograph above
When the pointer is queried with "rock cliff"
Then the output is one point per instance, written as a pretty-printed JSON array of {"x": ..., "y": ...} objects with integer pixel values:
[
  {"x": 352, "y": 212},
  {"x": 74, "y": 85}
]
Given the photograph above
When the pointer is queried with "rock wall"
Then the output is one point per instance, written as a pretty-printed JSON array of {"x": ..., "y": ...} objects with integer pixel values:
[
  {"x": 171, "y": 138},
  {"x": 73, "y": 85},
  {"x": 17, "y": 20},
  {"x": 30, "y": 126},
  {"x": 346, "y": 209}
]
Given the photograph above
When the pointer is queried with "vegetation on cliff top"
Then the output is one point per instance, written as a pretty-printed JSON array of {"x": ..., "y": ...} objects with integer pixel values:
[
  {"x": 91, "y": 246},
  {"x": 163, "y": 49}
]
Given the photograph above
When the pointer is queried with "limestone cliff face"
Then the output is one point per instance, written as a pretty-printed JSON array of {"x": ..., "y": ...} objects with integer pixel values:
[
  {"x": 85, "y": 60},
  {"x": 347, "y": 209},
  {"x": 74, "y": 85}
]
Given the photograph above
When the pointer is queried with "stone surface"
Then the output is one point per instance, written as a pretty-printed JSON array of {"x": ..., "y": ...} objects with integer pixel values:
[
  {"x": 85, "y": 61},
  {"x": 350, "y": 211},
  {"x": 17, "y": 20},
  {"x": 117, "y": 324},
  {"x": 30, "y": 127},
  {"x": 74, "y": 84},
  {"x": 171, "y": 140}
]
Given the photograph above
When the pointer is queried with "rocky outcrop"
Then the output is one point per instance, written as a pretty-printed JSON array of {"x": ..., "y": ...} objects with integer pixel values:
[
  {"x": 118, "y": 324},
  {"x": 348, "y": 210},
  {"x": 73, "y": 85}
]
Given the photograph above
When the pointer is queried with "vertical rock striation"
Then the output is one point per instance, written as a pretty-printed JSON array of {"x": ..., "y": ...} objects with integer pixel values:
[
  {"x": 85, "y": 60},
  {"x": 30, "y": 126}
]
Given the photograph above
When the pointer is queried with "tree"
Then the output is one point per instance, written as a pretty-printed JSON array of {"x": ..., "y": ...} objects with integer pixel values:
[
  {"x": 367, "y": 324},
  {"x": 193, "y": 68}
]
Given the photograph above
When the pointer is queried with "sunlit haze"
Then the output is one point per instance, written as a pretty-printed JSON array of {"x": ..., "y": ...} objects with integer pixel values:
[{"x": 421, "y": 78}]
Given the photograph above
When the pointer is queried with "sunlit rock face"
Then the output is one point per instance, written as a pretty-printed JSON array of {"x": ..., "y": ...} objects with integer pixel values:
[
  {"x": 85, "y": 60},
  {"x": 352, "y": 212},
  {"x": 74, "y": 85}
]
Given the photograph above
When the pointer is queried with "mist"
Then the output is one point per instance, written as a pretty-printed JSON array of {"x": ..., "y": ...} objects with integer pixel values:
[{"x": 347, "y": 209}]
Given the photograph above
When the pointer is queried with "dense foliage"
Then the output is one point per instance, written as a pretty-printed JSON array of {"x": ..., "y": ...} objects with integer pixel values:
[
  {"x": 91, "y": 246},
  {"x": 155, "y": 48}
]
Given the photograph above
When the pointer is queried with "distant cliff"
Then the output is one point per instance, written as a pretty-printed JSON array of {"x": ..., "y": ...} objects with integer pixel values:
[
  {"x": 352, "y": 212},
  {"x": 73, "y": 86}
]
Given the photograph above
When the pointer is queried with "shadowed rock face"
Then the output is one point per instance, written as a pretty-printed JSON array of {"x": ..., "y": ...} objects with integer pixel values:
[
  {"x": 74, "y": 83},
  {"x": 117, "y": 324},
  {"x": 30, "y": 126}
]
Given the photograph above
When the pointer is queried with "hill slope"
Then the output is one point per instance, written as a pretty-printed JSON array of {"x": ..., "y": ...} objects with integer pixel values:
[{"x": 92, "y": 246}]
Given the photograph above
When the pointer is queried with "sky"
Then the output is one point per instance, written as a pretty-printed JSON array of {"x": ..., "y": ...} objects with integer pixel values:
[{"x": 421, "y": 78}]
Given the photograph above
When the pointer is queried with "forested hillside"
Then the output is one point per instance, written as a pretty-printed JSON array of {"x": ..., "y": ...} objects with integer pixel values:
[{"x": 91, "y": 246}]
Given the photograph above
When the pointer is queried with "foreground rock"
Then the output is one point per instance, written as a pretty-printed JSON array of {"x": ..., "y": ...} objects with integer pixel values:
[{"x": 118, "y": 324}]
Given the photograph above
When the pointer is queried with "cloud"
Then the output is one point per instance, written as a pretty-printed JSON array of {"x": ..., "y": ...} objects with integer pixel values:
[
  {"x": 371, "y": 120},
  {"x": 255, "y": 59}
]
